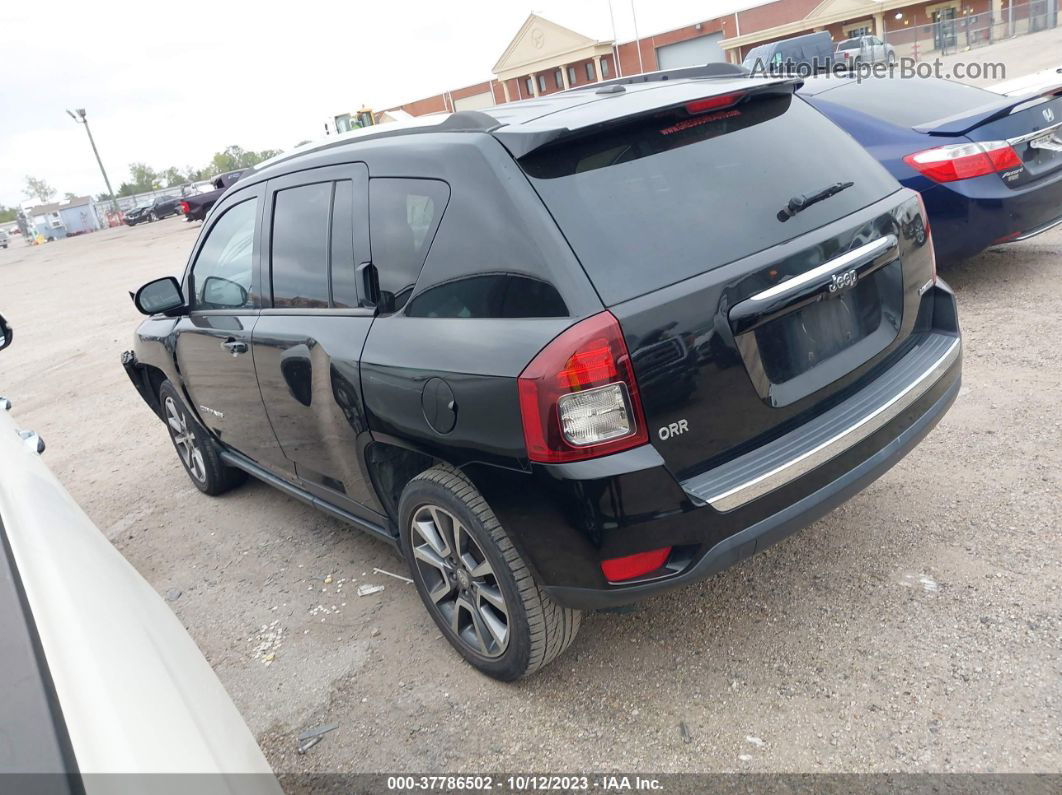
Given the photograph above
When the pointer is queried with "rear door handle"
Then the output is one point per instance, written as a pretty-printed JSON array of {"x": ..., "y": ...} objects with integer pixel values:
[{"x": 234, "y": 346}]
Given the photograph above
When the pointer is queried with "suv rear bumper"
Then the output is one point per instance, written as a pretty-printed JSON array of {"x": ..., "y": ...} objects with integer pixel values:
[
  {"x": 776, "y": 527},
  {"x": 567, "y": 518}
]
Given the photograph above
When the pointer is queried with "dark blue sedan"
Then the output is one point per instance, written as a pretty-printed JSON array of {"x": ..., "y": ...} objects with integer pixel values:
[{"x": 989, "y": 167}]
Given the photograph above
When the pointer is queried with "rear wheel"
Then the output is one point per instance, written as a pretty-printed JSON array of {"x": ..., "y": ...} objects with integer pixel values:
[
  {"x": 195, "y": 447},
  {"x": 473, "y": 581}
]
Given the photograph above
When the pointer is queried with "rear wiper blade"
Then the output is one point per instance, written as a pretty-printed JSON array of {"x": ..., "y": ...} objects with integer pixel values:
[{"x": 802, "y": 202}]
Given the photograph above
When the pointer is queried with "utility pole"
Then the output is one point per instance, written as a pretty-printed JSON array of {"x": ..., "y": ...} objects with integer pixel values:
[
  {"x": 80, "y": 119},
  {"x": 615, "y": 44},
  {"x": 637, "y": 41}
]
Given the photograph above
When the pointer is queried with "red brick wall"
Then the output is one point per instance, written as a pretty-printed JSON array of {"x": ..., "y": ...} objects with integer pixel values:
[
  {"x": 427, "y": 105},
  {"x": 773, "y": 14}
]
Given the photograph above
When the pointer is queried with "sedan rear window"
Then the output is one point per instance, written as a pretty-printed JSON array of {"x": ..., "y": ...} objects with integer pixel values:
[
  {"x": 652, "y": 203},
  {"x": 908, "y": 102}
]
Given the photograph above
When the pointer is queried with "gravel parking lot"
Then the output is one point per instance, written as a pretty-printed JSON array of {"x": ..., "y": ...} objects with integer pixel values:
[{"x": 916, "y": 628}]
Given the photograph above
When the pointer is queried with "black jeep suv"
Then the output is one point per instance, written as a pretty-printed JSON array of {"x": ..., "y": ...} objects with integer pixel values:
[{"x": 565, "y": 354}]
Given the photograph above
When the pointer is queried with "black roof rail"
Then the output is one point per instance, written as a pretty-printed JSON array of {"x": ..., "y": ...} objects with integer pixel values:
[{"x": 682, "y": 73}]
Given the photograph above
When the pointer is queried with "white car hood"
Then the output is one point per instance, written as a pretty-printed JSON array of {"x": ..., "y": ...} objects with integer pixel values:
[{"x": 136, "y": 694}]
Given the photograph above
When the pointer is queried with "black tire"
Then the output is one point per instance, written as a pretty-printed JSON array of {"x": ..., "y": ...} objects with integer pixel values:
[
  {"x": 195, "y": 447},
  {"x": 538, "y": 629}
]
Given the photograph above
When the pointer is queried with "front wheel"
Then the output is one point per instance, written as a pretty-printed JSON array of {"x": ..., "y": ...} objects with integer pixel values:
[
  {"x": 474, "y": 582},
  {"x": 195, "y": 447}
]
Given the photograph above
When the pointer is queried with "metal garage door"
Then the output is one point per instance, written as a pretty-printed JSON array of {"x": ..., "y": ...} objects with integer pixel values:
[
  {"x": 474, "y": 102},
  {"x": 692, "y": 52}
]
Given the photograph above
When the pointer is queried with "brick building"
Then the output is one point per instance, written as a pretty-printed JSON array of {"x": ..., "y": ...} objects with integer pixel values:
[{"x": 545, "y": 57}]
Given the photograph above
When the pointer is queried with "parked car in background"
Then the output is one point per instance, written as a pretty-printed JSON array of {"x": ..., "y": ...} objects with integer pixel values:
[
  {"x": 4, "y": 238},
  {"x": 807, "y": 54},
  {"x": 195, "y": 206},
  {"x": 447, "y": 334},
  {"x": 989, "y": 167},
  {"x": 160, "y": 207},
  {"x": 1035, "y": 83},
  {"x": 863, "y": 50},
  {"x": 97, "y": 674}
]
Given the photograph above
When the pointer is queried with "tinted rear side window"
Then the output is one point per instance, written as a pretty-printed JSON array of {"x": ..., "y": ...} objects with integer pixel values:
[
  {"x": 403, "y": 217},
  {"x": 300, "y": 246},
  {"x": 909, "y": 102},
  {"x": 652, "y": 203}
]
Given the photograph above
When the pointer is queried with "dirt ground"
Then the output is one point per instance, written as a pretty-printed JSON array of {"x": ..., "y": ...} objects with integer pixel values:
[{"x": 916, "y": 628}]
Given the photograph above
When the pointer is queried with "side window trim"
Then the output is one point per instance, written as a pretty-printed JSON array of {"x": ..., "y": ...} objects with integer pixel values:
[{"x": 358, "y": 173}]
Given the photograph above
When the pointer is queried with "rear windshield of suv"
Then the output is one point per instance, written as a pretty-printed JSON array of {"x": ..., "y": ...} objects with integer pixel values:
[
  {"x": 908, "y": 102},
  {"x": 651, "y": 203}
]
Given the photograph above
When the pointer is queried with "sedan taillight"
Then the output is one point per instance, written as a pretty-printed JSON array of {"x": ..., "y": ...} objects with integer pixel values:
[
  {"x": 964, "y": 161},
  {"x": 578, "y": 396},
  {"x": 184, "y": 207}
]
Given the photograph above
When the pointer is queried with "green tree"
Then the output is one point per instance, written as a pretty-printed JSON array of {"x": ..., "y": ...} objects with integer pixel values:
[
  {"x": 8, "y": 214},
  {"x": 171, "y": 176},
  {"x": 144, "y": 177},
  {"x": 38, "y": 189}
]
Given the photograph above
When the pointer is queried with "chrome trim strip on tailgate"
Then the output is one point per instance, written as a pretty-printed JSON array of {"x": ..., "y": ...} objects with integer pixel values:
[
  {"x": 865, "y": 252},
  {"x": 1020, "y": 139},
  {"x": 792, "y": 469}
]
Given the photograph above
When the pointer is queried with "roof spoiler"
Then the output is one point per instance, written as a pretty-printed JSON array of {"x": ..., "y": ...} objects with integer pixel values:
[
  {"x": 521, "y": 142},
  {"x": 683, "y": 73},
  {"x": 962, "y": 123}
]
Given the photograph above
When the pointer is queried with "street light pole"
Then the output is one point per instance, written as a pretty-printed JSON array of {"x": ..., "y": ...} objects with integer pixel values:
[{"x": 80, "y": 119}]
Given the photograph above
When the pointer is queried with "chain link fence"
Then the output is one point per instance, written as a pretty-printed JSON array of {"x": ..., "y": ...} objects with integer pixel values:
[{"x": 951, "y": 32}]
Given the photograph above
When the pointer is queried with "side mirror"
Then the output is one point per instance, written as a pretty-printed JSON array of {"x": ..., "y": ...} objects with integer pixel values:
[
  {"x": 222, "y": 293},
  {"x": 6, "y": 334},
  {"x": 161, "y": 295}
]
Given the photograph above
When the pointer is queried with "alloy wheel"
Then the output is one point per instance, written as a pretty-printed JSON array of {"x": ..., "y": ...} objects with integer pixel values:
[
  {"x": 459, "y": 580},
  {"x": 184, "y": 440}
]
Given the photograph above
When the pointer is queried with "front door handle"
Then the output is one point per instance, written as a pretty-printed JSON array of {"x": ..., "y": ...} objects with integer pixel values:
[{"x": 234, "y": 346}]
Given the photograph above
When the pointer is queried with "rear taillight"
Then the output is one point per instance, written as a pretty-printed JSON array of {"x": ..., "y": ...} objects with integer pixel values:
[
  {"x": 637, "y": 565},
  {"x": 184, "y": 207},
  {"x": 964, "y": 161},
  {"x": 578, "y": 396}
]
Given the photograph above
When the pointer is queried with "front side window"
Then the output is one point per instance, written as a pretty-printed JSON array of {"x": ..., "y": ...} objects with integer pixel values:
[
  {"x": 221, "y": 275},
  {"x": 300, "y": 246},
  {"x": 403, "y": 217}
]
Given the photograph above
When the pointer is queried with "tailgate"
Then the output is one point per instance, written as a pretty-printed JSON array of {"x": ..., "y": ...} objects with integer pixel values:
[{"x": 732, "y": 359}]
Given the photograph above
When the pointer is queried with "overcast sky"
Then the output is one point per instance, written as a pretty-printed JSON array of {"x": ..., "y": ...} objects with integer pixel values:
[{"x": 170, "y": 83}]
